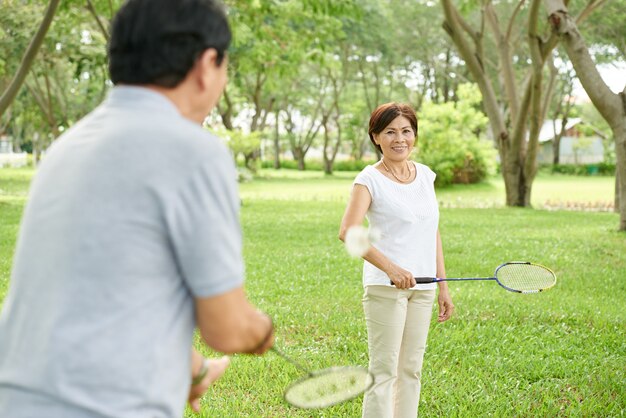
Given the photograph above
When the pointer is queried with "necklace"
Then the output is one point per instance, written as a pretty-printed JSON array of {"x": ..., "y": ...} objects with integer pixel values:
[{"x": 394, "y": 174}]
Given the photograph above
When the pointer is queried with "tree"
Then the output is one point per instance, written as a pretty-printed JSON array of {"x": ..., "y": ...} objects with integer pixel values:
[
  {"x": 610, "y": 105},
  {"x": 67, "y": 80},
  {"x": 277, "y": 46},
  {"x": 515, "y": 110},
  {"x": 302, "y": 129},
  {"x": 28, "y": 58},
  {"x": 561, "y": 111}
]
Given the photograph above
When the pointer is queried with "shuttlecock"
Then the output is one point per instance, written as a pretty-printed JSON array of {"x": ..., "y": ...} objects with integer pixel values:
[{"x": 359, "y": 238}]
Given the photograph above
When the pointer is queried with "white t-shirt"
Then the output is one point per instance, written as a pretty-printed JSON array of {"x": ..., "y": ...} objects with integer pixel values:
[{"x": 407, "y": 217}]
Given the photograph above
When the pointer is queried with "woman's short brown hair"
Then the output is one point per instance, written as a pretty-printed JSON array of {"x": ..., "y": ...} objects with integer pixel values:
[{"x": 384, "y": 114}]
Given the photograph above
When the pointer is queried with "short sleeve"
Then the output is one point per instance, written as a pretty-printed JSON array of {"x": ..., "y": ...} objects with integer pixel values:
[
  {"x": 205, "y": 231},
  {"x": 430, "y": 174},
  {"x": 364, "y": 178}
]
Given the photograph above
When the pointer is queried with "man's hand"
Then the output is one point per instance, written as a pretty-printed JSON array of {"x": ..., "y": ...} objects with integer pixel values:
[{"x": 217, "y": 367}]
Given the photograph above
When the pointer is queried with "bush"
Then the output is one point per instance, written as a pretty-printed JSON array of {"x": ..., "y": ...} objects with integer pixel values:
[
  {"x": 606, "y": 169},
  {"x": 352, "y": 165},
  {"x": 318, "y": 165},
  {"x": 602, "y": 169},
  {"x": 450, "y": 140}
]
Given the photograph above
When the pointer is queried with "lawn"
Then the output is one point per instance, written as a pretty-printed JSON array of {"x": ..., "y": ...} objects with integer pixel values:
[
  {"x": 560, "y": 353},
  {"x": 548, "y": 190}
]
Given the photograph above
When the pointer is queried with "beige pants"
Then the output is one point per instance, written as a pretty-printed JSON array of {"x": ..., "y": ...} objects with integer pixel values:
[{"x": 397, "y": 328}]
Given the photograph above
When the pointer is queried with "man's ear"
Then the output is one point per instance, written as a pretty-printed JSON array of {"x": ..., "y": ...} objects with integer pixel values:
[{"x": 207, "y": 65}]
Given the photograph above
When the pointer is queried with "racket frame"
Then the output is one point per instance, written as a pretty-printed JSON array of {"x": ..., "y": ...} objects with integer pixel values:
[
  {"x": 329, "y": 370},
  {"x": 425, "y": 280}
]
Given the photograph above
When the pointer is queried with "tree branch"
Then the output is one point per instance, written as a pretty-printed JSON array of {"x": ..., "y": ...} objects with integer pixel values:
[
  {"x": 602, "y": 97},
  {"x": 591, "y": 6},
  {"x": 509, "y": 29},
  {"x": 29, "y": 56},
  {"x": 93, "y": 12}
]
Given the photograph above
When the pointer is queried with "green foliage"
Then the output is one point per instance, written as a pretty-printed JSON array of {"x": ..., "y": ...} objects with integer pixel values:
[
  {"x": 604, "y": 30},
  {"x": 602, "y": 169},
  {"x": 284, "y": 55},
  {"x": 451, "y": 139},
  {"x": 352, "y": 165},
  {"x": 66, "y": 81},
  {"x": 311, "y": 164},
  {"x": 317, "y": 165},
  {"x": 240, "y": 142}
]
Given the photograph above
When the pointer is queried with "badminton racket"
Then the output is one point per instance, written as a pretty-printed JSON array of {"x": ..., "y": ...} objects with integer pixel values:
[
  {"x": 514, "y": 276},
  {"x": 326, "y": 387}
]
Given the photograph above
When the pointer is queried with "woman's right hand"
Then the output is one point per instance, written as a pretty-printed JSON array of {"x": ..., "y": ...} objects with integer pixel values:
[{"x": 400, "y": 277}]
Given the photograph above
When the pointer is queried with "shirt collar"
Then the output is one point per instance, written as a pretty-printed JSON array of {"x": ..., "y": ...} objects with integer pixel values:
[{"x": 142, "y": 97}]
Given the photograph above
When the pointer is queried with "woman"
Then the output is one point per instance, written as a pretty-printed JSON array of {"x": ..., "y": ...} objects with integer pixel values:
[{"x": 398, "y": 198}]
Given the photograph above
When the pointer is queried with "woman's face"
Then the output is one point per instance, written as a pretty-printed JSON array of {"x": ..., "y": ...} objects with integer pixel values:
[{"x": 397, "y": 139}]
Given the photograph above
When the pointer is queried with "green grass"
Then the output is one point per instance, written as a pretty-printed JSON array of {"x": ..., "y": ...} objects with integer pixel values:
[
  {"x": 552, "y": 189},
  {"x": 13, "y": 191},
  {"x": 560, "y": 353}
]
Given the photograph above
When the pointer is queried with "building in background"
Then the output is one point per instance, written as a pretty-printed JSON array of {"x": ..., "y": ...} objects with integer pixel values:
[{"x": 580, "y": 143}]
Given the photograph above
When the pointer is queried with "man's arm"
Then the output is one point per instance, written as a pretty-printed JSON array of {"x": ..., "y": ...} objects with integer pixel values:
[{"x": 230, "y": 324}]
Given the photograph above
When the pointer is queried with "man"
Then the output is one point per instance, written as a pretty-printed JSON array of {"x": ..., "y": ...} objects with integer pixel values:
[{"x": 131, "y": 239}]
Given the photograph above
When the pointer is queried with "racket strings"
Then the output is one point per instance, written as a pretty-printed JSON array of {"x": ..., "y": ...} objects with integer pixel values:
[
  {"x": 525, "y": 277},
  {"x": 329, "y": 387}
]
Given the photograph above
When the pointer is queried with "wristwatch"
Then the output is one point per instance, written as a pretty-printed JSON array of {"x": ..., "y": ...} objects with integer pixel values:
[{"x": 202, "y": 373}]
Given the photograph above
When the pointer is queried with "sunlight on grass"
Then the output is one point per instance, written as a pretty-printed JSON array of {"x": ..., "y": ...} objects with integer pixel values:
[{"x": 548, "y": 191}]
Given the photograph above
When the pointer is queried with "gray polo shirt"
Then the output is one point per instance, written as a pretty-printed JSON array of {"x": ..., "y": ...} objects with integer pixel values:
[{"x": 133, "y": 212}]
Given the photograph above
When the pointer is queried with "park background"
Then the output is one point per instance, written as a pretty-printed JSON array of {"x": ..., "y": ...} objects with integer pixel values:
[{"x": 304, "y": 76}]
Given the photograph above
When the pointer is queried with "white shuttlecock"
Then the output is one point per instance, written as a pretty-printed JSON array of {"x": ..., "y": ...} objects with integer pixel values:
[
  {"x": 374, "y": 235},
  {"x": 359, "y": 239}
]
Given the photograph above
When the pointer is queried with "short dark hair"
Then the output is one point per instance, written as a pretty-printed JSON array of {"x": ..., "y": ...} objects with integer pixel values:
[
  {"x": 159, "y": 41},
  {"x": 384, "y": 114}
]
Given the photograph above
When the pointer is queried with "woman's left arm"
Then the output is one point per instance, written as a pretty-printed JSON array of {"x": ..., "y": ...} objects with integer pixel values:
[{"x": 446, "y": 307}]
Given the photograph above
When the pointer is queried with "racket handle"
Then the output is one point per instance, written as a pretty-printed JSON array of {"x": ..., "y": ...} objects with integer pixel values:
[{"x": 420, "y": 280}]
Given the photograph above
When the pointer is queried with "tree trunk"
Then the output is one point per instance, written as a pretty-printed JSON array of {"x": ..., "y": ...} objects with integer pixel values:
[
  {"x": 454, "y": 26},
  {"x": 556, "y": 145},
  {"x": 250, "y": 160},
  {"x": 29, "y": 56},
  {"x": 556, "y": 150},
  {"x": 328, "y": 166},
  {"x": 36, "y": 150},
  {"x": 328, "y": 163},
  {"x": 620, "y": 170},
  {"x": 226, "y": 111},
  {"x": 330, "y": 150},
  {"x": 277, "y": 142},
  {"x": 611, "y": 106},
  {"x": 536, "y": 103},
  {"x": 617, "y": 198},
  {"x": 298, "y": 155}
]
